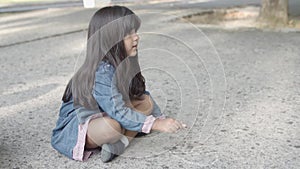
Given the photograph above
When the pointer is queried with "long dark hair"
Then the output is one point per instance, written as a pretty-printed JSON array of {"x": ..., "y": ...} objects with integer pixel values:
[{"x": 106, "y": 31}]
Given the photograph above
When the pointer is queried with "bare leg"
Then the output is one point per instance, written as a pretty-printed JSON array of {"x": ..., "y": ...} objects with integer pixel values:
[
  {"x": 108, "y": 134},
  {"x": 101, "y": 131},
  {"x": 107, "y": 130}
]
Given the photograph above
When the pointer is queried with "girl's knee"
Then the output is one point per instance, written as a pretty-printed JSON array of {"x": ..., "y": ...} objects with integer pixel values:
[
  {"x": 103, "y": 130},
  {"x": 113, "y": 124}
]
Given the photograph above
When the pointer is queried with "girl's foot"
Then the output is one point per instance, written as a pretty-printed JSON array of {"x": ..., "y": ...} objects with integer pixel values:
[{"x": 110, "y": 151}]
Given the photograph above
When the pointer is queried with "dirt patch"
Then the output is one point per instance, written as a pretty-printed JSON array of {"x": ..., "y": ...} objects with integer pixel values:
[{"x": 239, "y": 17}]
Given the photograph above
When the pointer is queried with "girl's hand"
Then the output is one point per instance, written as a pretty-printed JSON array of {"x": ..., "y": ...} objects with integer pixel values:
[{"x": 168, "y": 125}]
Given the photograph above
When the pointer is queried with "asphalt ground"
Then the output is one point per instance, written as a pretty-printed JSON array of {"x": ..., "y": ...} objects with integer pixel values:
[{"x": 237, "y": 90}]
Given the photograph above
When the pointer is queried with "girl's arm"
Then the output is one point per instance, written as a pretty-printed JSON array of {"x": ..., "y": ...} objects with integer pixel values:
[{"x": 110, "y": 100}]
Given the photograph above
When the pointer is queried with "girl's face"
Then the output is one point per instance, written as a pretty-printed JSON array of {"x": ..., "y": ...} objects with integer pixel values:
[{"x": 131, "y": 42}]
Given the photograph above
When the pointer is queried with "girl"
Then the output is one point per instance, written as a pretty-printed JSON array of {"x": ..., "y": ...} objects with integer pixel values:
[{"x": 105, "y": 103}]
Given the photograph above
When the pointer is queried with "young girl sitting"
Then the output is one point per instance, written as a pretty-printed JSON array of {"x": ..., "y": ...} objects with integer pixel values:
[{"x": 105, "y": 103}]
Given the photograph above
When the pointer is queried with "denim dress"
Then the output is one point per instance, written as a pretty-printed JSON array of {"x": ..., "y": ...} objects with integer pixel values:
[{"x": 109, "y": 99}]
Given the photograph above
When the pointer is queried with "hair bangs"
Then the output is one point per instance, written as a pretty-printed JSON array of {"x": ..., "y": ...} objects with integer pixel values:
[{"x": 132, "y": 22}]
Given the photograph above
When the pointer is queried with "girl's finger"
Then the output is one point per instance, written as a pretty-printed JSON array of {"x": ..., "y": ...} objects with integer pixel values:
[
  {"x": 178, "y": 124},
  {"x": 183, "y": 125},
  {"x": 173, "y": 129}
]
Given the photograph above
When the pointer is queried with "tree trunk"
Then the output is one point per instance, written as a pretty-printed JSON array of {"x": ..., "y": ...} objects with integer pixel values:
[{"x": 274, "y": 13}]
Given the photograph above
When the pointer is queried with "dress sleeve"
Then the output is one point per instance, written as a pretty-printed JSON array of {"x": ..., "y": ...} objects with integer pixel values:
[{"x": 110, "y": 100}]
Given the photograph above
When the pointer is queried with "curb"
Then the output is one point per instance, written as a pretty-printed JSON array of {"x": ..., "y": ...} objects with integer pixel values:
[
  {"x": 36, "y": 6},
  {"x": 79, "y": 3}
]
